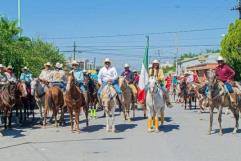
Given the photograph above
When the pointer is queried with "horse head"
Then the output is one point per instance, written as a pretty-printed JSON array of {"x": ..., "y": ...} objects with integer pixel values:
[
  {"x": 107, "y": 96},
  {"x": 152, "y": 84},
  {"x": 122, "y": 82},
  {"x": 70, "y": 82},
  {"x": 21, "y": 87},
  {"x": 36, "y": 87}
]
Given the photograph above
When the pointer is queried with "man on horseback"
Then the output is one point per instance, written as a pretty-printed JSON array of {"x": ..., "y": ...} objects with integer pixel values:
[
  {"x": 129, "y": 77},
  {"x": 46, "y": 76},
  {"x": 59, "y": 78},
  {"x": 26, "y": 76},
  {"x": 157, "y": 72},
  {"x": 226, "y": 75},
  {"x": 79, "y": 76},
  {"x": 108, "y": 74},
  {"x": 10, "y": 75}
]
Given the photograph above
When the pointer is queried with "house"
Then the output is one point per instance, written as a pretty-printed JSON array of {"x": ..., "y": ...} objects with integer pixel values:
[{"x": 199, "y": 64}]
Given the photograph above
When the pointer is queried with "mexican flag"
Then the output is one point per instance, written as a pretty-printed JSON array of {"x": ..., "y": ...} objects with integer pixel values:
[{"x": 143, "y": 75}]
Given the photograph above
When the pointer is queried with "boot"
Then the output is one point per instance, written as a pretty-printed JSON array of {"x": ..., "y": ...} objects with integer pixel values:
[
  {"x": 232, "y": 98},
  {"x": 156, "y": 125},
  {"x": 149, "y": 124}
]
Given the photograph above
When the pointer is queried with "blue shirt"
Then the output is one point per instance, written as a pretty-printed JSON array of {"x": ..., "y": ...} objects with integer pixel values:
[
  {"x": 27, "y": 77},
  {"x": 78, "y": 75},
  {"x": 94, "y": 76}
]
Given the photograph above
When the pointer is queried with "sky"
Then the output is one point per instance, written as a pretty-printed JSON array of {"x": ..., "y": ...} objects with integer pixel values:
[{"x": 117, "y": 28}]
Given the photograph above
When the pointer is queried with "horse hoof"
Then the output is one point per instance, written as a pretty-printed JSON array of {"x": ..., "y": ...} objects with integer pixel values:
[
  {"x": 157, "y": 131},
  {"x": 221, "y": 133},
  {"x": 129, "y": 120},
  {"x": 149, "y": 130}
]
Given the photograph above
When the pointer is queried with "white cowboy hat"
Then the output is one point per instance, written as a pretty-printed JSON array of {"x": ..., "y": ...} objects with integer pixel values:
[
  {"x": 58, "y": 65},
  {"x": 25, "y": 68},
  {"x": 186, "y": 73},
  {"x": 107, "y": 60},
  {"x": 47, "y": 64},
  {"x": 74, "y": 62},
  {"x": 155, "y": 61},
  {"x": 126, "y": 65},
  {"x": 220, "y": 58},
  {"x": 1, "y": 66},
  {"x": 10, "y": 67},
  {"x": 84, "y": 71}
]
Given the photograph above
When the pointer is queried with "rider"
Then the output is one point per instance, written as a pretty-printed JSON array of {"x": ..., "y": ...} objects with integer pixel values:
[
  {"x": 225, "y": 74},
  {"x": 3, "y": 77},
  {"x": 79, "y": 76},
  {"x": 108, "y": 74},
  {"x": 59, "y": 78},
  {"x": 136, "y": 78},
  {"x": 26, "y": 76},
  {"x": 46, "y": 75},
  {"x": 157, "y": 72},
  {"x": 129, "y": 77},
  {"x": 10, "y": 75}
]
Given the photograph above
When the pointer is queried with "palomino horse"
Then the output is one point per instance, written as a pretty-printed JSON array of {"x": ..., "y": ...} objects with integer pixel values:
[
  {"x": 37, "y": 90},
  {"x": 54, "y": 100},
  {"x": 127, "y": 99},
  {"x": 75, "y": 102},
  {"x": 218, "y": 98},
  {"x": 155, "y": 104},
  {"x": 8, "y": 95},
  {"x": 108, "y": 98}
]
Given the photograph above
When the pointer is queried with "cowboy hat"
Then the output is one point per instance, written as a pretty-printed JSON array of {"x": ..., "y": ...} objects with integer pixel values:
[
  {"x": 1, "y": 66},
  {"x": 47, "y": 64},
  {"x": 155, "y": 61},
  {"x": 58, "y": 65},
  {"x": 25, "y": 68},
  {"x": 126, "y": 65},
  {"x": 10, "y": 67},
  {"x": 74, "y": 62},
  {"x": 107, "y": 60},
  {"x": 220, "y": 58}
]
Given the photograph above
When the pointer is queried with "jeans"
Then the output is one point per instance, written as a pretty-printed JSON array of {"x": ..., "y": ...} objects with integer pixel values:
[
  {"x": 82, "y": 87},
  {"x": 115, "y": 86},
  {"x": 61, "y": 85},
  {"x": 228, "y": 87}
]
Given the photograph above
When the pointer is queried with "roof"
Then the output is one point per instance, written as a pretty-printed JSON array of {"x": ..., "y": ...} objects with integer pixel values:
[{"x": 200, "y": 57}]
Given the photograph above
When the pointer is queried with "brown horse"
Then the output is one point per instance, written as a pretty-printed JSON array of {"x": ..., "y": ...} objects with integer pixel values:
[
  {"x": 8, "y": 98},
  {"x": 218, "y": 98},
  {"x": 54, "y": 101},
  {"x": 75, "y": 102}
]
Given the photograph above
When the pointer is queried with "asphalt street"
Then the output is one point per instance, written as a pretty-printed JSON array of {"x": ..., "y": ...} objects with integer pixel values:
[{"x": 182, "y": 138}]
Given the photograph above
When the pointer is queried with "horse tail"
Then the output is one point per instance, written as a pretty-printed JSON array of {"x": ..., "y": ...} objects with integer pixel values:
[{"x": 50, "y": 101}]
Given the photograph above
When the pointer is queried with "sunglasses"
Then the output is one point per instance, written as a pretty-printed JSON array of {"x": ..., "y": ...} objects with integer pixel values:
[{"x": 107, "y": 62}]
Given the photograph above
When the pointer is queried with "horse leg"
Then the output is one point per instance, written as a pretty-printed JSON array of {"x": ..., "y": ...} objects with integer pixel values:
[
  {"x": 55, "y": 111},
  {"x": 71, "y": 118},
  {"x": 87, "y": 115},
  {"x": 195, "y": 102},
  {"x": 211, "y": 120},
  {"x": 45, "y": 117},
  {"x": 77, "y": 112},
  {"x": 156, "y": 123},
  {"x": 10, "y": 119},
  {"x": 162, "y": 117},
  {"x": 185, "y": 102},
  {"x": 220, "y": 120},
  {"x": 113, "y": 119},
  {"x": 190, "y": 102},
  {"x": 107, "y": 122},
  {"x": 236, "y": 116},
  {"x": 5, "y": 119}
]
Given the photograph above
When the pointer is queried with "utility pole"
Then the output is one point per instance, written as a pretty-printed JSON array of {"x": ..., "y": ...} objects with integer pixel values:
[
  {"x": 74, "y": 51},
  {"x": 177, "y": 51},
  {"x": 238, "y": 8},
  {"x": 19, "y": 15},
  {"x": 94, "y": 62}
]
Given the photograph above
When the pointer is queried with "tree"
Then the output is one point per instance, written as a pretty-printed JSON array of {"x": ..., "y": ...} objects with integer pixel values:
[
  {"x": 22, "y": 51},
  {"x": 231, "y": 47}
]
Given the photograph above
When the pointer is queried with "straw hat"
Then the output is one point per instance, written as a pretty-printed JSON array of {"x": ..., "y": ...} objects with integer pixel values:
[
  {"x": 74, "y": 62},
  {"x": 25, "y": 68},
  {"x": 1, "y": 66},
  {"x": 107, "y": 60},
  {"x": 220, "y": 58},
  {"x": 47, "y": 64},
  {"x": 126, "y": 65},
  {"x": 155, "y": 61},
  {"x": 58, "y": 65},
  {"x": 10, "y": 67}
]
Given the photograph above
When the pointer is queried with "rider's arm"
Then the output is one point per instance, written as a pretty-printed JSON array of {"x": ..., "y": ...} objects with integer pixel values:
[
  {"x": 100, "y": 76},
  {"x": 22, "y": 77},
  {"x": 160, "y": 75},
  {"x": 231, "y": 71},
  {"x": 115, "y": 75}
]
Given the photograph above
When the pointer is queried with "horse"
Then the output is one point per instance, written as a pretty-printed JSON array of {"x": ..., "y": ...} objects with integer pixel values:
[
  {"x": 54, "y": 101},
  {"x": 188, "y": 94},
  {"x": 37, "y": 91},
  {"x": 127, "y": 99},
  {"x": 8, "y": 95},
  {"x": 108, "y": 101},
  {"x": 92, "y": 96},
  {"x": 155, "y": 104},
  {"x": 75, "y": 102},
  {"x": 219, "y": 99}
]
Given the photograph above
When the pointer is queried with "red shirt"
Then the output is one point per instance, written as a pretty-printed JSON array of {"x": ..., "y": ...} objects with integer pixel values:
[
  {"x": 224, "y": 73},
  {"x": 168, "y": 80}
]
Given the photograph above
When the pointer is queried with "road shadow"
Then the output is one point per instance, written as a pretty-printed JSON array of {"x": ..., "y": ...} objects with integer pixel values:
[
  {"x": 169, "y": 127},
  {"x": 167, "y": 119},
  {"x": 93, "y": 128},
  {"x": 124, "y": 127},
  {"x": 226, "y": 130},
  {"x": 15, "y": 133},
  {"x": 139, "y": 118}
]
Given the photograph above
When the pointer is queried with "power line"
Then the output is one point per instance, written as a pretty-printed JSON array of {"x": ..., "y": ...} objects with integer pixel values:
[{"x": 138, "y": 34}]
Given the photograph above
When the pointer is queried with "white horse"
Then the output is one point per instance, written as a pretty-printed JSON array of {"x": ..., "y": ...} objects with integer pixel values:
[
  {"x": 108, "y": 99},
  {"x": 155, "y": 104},
  {"x": 37, "y": 90}
]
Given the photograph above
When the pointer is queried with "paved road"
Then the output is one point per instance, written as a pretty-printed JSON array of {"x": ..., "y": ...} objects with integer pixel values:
[{"x": 182, "y": 138}]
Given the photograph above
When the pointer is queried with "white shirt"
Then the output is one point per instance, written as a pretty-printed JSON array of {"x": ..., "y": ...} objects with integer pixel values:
[
  {"x": 10, "y": 77},
  {"x": 107, "y": 73},
  {"x": 46, "y": 75}
]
